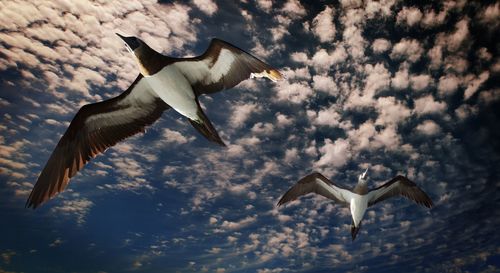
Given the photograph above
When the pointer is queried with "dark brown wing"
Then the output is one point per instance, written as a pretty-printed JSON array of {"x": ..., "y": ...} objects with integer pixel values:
[
  {"x": 223, "y": 66},
  {"x": 95, "y": 128},
  {"x": 399, "y": 186},
  {"x": 319, "y": 184}
]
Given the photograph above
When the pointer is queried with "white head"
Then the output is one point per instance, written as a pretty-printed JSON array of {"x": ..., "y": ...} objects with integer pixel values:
[{"x": 362, "y": 177}]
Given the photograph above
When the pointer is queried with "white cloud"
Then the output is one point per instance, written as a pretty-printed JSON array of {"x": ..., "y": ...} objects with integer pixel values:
[
  {"x": 78, "y": 208},
  {"x": 420, "y": 82},
  {"x": 409, "y": 16},
  {"x": 299, "y": 57},
  {"x": 428, "y": 127},
  {"x": 435, "y": 54},
  {"x": 335, "y": 154},
  {"x": 294, "y": 9},
  {"x": 409, "y": 49},
  {"x": 325, "y": 84},
  {"x": 295, "y": 92},
  {"x": 490, "y": 16},
  {"x": 326, "y": 117},
  {"x": 230, "y": 225},
  {"x": 427, "y": 105},
  {"x": 291, "y": 155},
  {"x": 207, "y": 6},
  {"x": 391, "y": 111},
  {"x": 431, "y": 19},
  {"x": 322, "y": 60},
  {"x": 448, "y": 84},
  {"x": 461, "y": 34},
  {"x": 171, "y": 136},
  {"x": 401, "y": 79},
  {"x": 323, "y": 26},
  {"x": 241, "y": 113},
  {"x": 90, "y": 25},
  {"x": 283, "y": 120},
  {"x": 381, "y": 45},
  {"x": 474, "y": 84},
  {"x": 265, "y": 5}
]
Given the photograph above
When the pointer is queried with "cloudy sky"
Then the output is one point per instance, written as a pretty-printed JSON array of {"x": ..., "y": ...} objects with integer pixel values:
[{"x": 391, "y": 85}]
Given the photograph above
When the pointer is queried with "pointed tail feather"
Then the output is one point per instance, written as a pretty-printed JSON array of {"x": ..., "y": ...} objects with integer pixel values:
[{"x": 205, "y": 127}]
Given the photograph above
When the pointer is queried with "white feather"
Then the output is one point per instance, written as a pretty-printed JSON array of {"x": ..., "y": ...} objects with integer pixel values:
[{"x": 174, "y": 89}]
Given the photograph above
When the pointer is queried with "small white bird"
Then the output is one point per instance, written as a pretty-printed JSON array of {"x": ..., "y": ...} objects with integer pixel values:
[{"x": 359, "y": 198}]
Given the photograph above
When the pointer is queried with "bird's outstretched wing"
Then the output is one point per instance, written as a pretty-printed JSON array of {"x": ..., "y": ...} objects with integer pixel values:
[
  {"x": 223, "y": 66},
  {"x": 399, "y": 186},
  {"x": 96, "y": 127},
  {"x": 319, "y": 184}
]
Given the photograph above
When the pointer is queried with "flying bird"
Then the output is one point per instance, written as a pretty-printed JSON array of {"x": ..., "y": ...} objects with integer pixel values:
[
  {"x": 164, "y": 82},
  {"x": 360, "y": 198}
]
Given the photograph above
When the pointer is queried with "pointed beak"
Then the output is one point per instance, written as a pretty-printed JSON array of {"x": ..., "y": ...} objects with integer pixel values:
[
  {"x": 131, "y": 42},
  {"x": 364, "y": 174}
]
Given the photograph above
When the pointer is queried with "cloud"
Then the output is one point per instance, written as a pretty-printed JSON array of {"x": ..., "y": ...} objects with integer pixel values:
[
  {"x": 391, "y": 111},
  {"x": 230, "y": 225},
  {"x": 427, "y": 105},
  {"x": 209, "y": 7},
  {"x": 294, "y": 9},
  {"x": 241, "y": 113},
  {"x": 335, "y": 154},
  {"x": 54, "y": 45},
  {"x": 433, "y": 19},
  {"x": 401, "y": 79},
  {"x": 171, "y": 136},
  {"x": 325, "y": 84},
  {"x": 325, "y": 117},
  {"x": 78, "y": 208},
  {"x": 409, "y": 16},
  {"x": 295, "y": 92},
  {"x": 490, "y": 15},
  {"x": 474, "y": 84},
  {"x": 428, "y": 127},
  {"x": 409, "y": 49},
  {"x": 381, "y": 45},
  {"x": 448, "y": 84},
  {"x": 420, "y": 82},
  {"x": 322, "y": 60},
  {"x": 7, "y": 256},
  {"x": 323, "y": 26},
  {"x": 265, "y": 5}
]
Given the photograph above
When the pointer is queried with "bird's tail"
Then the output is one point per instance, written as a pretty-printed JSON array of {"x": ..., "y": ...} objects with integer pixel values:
[
  {"x": 205, "y": 127},
  {"x": 355, "y": 230}
]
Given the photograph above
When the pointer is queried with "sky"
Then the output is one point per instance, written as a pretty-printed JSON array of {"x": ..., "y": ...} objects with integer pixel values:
[{"x": 394, "y": 86}]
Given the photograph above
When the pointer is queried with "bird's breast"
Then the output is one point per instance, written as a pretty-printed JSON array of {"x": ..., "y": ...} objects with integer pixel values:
[{"x": 174, "y": 89}]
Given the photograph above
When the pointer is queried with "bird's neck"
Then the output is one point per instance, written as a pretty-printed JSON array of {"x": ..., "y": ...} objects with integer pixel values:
[
  {"x": 149, "y": 61},
  {"x": 361, "y": 187}
]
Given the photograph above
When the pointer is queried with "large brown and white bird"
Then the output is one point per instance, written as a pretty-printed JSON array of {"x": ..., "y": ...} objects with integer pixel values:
[
  {"x": 360, "y": 198},
  {"x": 164, "y": 82}
]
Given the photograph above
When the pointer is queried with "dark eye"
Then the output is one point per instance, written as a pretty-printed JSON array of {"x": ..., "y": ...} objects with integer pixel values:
[{"x": 134, "y": 43}]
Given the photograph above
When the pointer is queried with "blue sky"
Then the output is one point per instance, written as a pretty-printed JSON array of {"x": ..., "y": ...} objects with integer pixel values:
[{"x": 399, "y": 87}]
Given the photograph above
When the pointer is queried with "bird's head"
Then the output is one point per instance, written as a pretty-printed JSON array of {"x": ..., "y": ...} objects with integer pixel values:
[
  {"x": 144, "y": 55},
  {"x": 362, "y": 177},
  {"x": 132, "y": 43}
]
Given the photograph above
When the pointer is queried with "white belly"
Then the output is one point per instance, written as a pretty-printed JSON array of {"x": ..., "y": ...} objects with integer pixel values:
[
  {"x": 174, "y": 89},
  {"x": 359, "y": 203}
]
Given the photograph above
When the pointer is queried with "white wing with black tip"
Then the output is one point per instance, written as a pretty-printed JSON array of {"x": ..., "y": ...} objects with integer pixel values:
[
  {"x": 316, "y": 183},
  {"x": 95, "y": 128},
  {"x": 399, "y": 186},
  {"x": 223, "y": 66}
]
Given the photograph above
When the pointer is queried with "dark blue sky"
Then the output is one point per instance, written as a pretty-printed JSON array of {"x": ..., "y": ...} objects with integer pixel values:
[{"x": 398, "y": 87}]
